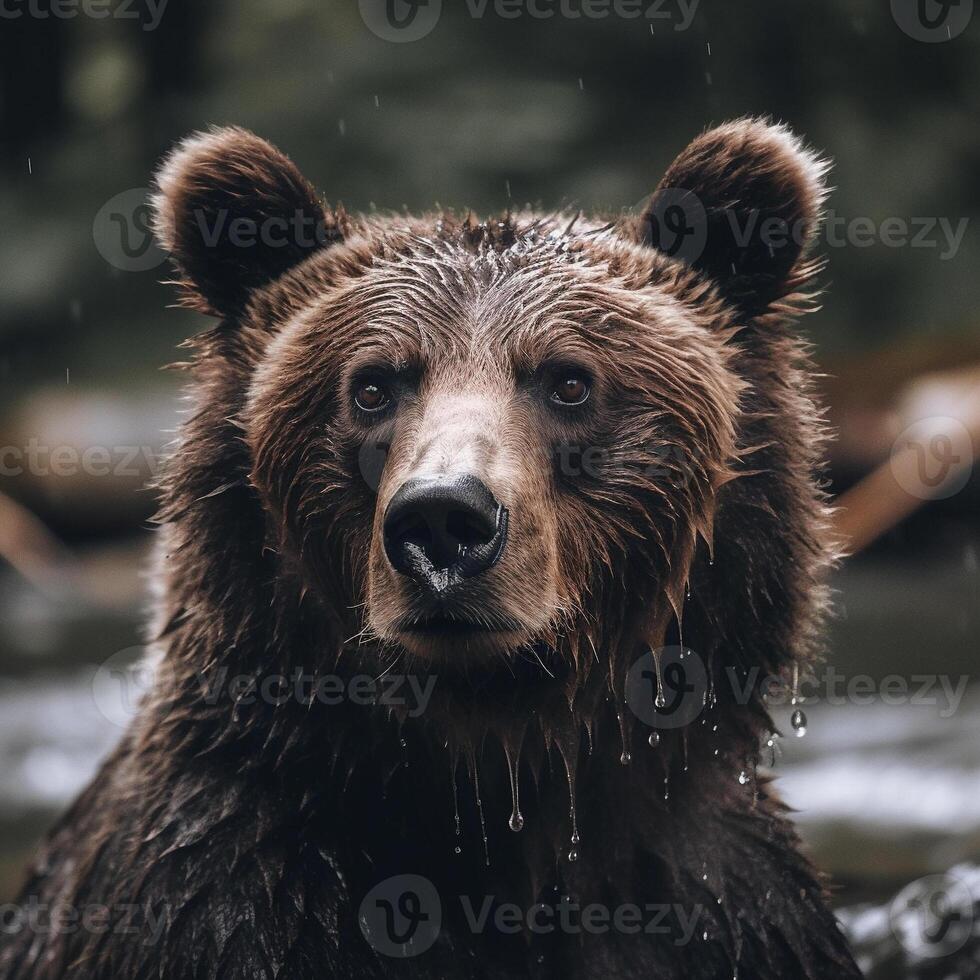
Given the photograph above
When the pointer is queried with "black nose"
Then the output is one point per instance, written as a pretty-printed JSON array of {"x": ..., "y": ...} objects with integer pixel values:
[{"x": 444, "y": 529}]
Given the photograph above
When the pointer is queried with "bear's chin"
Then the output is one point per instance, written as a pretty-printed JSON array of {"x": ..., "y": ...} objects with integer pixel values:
[{"x": 450, "y": 644}]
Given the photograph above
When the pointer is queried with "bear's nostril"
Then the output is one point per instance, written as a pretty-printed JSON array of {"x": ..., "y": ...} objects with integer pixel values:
[
  {"x": 444, "y": 525},
  {"x": 469, "y": 530},
  {"x": 411, "y": 529}
]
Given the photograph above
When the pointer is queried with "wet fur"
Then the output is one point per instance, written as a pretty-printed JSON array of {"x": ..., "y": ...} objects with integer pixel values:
[{"x": 255, "y": 830}]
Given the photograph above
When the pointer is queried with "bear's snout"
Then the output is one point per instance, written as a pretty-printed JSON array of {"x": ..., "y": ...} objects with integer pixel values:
[{"x": 440, "y": 530}]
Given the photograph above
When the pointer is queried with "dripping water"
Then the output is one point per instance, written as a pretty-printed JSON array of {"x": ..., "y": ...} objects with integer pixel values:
[
  {"x": 479, "y": 807},
  {"x": 573, "y": 814},
  {"x": 625, "y": 757},
  {"x": 660, "y": 701},
  {"x": 516, "y": 822},
  {"x": 457, "y": 848}
]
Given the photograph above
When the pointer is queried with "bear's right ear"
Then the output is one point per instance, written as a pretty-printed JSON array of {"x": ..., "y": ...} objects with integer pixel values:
[{"x": 235, "y": 213}]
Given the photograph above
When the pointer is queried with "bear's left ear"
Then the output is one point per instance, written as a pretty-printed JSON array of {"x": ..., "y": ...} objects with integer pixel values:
[
  {"x": 741, "y": 204},
  {"x": 235, "y": 213}
]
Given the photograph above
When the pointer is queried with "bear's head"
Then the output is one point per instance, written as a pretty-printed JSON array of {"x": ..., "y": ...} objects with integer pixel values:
[{"x": 517, "y": 452}]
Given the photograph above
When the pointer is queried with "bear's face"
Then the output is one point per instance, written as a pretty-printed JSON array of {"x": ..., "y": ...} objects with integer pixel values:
[
  {"x": 481, "y": 442},
  {"x": 520, "y": 401}
]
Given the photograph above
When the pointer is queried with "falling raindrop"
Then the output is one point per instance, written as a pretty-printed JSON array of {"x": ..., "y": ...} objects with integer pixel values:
[
  {"x": 573, "y": 855},
  {"x": 458, "y": 849},
  {"x": 654, "y": 739},
  {"x": 516, "y": 822},
  {"x": 743, "y": 777},
  {"x": 798, "y": 721},
  {"x": 625, "y": 758}
]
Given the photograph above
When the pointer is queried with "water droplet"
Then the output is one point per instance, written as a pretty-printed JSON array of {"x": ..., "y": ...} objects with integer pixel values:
[
  {"x": 660, "y": 700},
  {"x": 575, "y": 837},
  {"x": 573, "y": 855},
  {"x": 743, "y": 777},
  {"x": 516, "y": 822},
  {"x": 458, "y": 849},
  {"x": 625, "y": 758},
  {"x": 795, "y": 693},
  {"x": 798, "y": 721},
  {"x": 704, "y": 935},
  {"x": 654, "y": 739}
]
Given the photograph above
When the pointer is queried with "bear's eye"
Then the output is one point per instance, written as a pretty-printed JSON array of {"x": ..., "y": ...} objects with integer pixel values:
[
  {"x": 573, "y": 389},
  {"x": 371, "y": 397}
]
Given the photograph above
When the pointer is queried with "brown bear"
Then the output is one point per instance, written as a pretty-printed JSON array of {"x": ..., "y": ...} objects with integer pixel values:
[{"x": 477, "y": 545}]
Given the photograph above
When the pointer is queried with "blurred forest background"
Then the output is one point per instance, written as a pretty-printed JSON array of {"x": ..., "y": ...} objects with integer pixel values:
[{"x": 485, "y": 112}]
